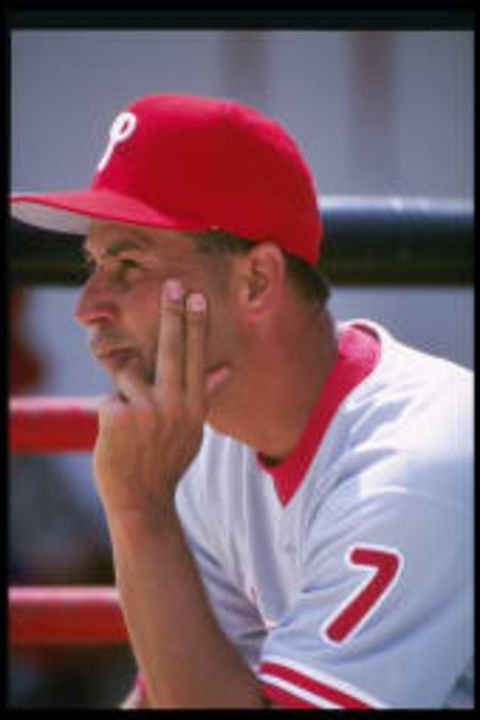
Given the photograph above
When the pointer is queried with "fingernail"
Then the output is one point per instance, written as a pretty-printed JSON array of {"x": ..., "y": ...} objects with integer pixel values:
[
  {"x": 173, "y": 290},
  {"x": 196, "y": 302}
]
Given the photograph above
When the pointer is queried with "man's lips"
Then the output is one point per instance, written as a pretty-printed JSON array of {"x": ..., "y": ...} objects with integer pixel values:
[{"x": 114, "y": 357}]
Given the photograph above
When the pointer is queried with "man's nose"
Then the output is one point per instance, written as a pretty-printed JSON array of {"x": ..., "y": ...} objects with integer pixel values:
[{"x": 95, "y": 303}]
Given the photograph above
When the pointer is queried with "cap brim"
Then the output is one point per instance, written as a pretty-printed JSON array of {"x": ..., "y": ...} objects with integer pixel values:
[{"x": 72, "y": 212}]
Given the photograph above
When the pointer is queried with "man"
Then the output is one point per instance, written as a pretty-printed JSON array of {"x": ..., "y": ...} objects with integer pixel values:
[{"x": 289, "y": 498}]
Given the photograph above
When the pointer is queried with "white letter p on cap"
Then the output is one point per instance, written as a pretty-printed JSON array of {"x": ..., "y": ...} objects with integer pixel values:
[{"x": 122, "y": 127}]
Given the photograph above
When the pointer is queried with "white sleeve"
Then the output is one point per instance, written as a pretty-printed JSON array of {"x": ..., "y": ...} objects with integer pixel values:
[
  {"x": 236, "y": 615},
  {"x": 383, "y": 616}
]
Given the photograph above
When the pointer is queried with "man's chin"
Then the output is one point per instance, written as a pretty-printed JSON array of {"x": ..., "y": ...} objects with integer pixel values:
[{"x": 122, "y": 360}]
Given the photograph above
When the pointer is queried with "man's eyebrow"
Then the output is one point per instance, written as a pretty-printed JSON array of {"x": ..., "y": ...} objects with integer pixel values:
[{"x": 116, "y": 247}]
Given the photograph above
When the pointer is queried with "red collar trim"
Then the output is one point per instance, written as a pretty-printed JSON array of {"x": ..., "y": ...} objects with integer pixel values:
[{"x": 358, "y": 354}]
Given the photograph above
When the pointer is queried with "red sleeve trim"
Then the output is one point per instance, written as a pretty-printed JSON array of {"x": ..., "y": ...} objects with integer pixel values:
[
  {"x": 321, "y": 693},
  {"x": 284, "y": 698}
]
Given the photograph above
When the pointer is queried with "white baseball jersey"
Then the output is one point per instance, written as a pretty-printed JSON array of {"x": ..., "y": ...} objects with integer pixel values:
[{"x": 344, "y": 574}]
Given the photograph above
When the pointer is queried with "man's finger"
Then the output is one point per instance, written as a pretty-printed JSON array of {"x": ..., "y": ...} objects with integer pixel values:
[
  {"x": 169, "y": 370},
  {"x": 106, "y": 409},
  {"x": 196, "y": 316}
]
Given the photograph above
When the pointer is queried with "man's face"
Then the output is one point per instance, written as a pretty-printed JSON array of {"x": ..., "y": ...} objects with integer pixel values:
[{"x": 120, "y": 303}]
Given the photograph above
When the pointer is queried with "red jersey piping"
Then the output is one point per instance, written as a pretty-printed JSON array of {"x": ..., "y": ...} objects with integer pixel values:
[{"x": 358, "y": 354}]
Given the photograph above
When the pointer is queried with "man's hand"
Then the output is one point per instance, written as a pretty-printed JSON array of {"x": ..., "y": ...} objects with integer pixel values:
[
  {"x": 146, "y": 439},
  {"x": 149, "y": 434}
]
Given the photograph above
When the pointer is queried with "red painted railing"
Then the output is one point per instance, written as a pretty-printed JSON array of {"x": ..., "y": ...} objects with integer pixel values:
[
  {"x": 65, "y": 616},
  {"x": 59, "y": 615},
  {"x": 46, "y": 424}
]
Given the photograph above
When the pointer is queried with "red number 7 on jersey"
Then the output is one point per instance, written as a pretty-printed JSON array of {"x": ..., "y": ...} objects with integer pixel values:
[{"x": 359, "y": 606}]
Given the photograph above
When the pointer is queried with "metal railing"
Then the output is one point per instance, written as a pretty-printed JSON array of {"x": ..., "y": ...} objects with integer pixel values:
[{"x": 368, "y": 241}]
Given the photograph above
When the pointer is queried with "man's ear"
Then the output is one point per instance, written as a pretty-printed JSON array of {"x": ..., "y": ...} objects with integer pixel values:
[{"x": 263, "y": 277}]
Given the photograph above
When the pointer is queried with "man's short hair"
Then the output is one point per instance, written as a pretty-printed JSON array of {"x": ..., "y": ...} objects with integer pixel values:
[{"x": 308, "y": 281}]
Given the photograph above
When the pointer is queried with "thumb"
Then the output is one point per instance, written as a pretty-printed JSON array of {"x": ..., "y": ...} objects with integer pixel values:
[{"x": 105, "y": 410}]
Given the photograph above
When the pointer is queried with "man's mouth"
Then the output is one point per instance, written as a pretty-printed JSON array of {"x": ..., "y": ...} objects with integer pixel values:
[{"x": 114, "y": 359}]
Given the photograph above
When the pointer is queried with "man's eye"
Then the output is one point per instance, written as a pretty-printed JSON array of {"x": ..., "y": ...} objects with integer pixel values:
[
  {"x": 127, "y": 263},
  {"x": 112, "y": 266},
  {"x": 125, "y": 266}
]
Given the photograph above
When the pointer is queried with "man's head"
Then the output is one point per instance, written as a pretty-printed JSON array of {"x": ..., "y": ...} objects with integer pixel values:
[
  {"x": 247, "y": 286},
  {"x": 209, "y": 192}
]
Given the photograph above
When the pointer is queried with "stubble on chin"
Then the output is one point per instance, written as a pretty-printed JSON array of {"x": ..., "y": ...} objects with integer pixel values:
[{"x": 146, "y": 372}]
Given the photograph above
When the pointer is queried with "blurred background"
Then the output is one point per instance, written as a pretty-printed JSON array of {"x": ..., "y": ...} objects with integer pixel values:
[{"x": 375, "y": 113}]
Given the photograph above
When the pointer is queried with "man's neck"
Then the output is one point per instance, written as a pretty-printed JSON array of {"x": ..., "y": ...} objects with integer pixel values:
[{"x": 282, "y": 387}]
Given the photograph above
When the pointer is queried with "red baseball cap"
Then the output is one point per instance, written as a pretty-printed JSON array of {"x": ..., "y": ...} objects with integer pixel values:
[{"x": 187, "y": 162}]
